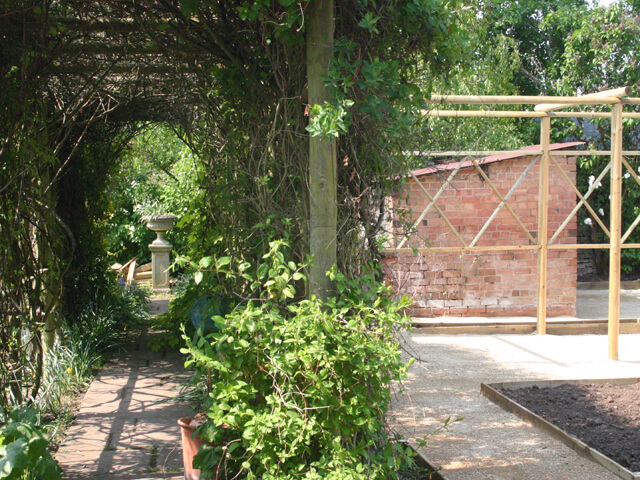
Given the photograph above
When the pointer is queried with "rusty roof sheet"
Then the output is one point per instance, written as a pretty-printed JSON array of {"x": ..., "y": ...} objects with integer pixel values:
[{"x": 492, "y": 158}]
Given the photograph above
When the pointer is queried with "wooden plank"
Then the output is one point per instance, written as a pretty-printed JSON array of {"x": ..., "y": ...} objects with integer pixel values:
[
  {"x": 543, "y": 229},
  {"x": 615, "y": 92},
  {"x": 615, "y": 214},
  {"x": 131, "y": 272}
]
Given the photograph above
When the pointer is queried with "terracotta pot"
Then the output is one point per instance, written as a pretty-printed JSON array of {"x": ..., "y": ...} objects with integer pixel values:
[{"x": 190, "y": 446}]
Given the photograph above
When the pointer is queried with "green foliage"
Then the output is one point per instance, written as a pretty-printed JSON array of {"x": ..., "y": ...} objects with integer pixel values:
[
  {"x": 158, "y": 175},
  {"x": 23, "y": 448},
  {"x": 300, "y": 389}
]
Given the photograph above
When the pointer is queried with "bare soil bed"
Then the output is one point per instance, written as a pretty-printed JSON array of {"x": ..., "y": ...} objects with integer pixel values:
[{"x": 604, "y": 416}]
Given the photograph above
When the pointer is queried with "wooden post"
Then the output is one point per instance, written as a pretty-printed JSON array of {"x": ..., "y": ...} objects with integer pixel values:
[
  {"x": 323, "y": 210},
  {"x": 616, "y": 230},
  {"x": 543, "y": 217}
]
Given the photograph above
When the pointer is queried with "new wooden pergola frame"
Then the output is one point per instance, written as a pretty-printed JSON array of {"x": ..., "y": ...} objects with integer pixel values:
[{"x": 546, "y": 108}]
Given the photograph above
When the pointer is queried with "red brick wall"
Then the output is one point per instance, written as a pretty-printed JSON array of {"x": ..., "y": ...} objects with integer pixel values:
[{"x": 486, "y": 283}]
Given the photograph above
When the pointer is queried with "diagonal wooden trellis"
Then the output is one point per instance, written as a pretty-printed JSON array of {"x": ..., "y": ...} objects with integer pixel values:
[{"x": 546, "y": 109}]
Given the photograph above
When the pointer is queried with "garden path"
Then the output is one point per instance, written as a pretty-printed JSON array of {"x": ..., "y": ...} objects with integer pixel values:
[{"x": 126, "y": 428}]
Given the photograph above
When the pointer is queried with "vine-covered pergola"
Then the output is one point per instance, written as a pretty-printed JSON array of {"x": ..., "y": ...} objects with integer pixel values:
[{"x": 547, "y": 108}]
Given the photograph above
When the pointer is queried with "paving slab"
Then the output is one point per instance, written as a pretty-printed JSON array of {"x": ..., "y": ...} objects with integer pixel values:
[
  {"x": 126, "y": 428},
  {"x": 489, "y": 443}
]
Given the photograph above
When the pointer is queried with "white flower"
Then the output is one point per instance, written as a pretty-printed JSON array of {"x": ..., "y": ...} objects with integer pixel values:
[
  {"x": 601, "y": 212},
  {"x": 591, "y": 180},
  {"x": 132, "y": 228},
  {"x": 627, "y": 175},
  {"x": 587, "y": 221}
]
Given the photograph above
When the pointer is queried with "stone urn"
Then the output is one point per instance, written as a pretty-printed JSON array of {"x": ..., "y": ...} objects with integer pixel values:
[{"x": 160, "y": 251}]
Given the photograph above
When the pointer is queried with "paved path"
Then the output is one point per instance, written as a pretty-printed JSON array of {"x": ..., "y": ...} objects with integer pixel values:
[
  {"x": 126, "y": 428},
  {"x": 490, "y": 443}
]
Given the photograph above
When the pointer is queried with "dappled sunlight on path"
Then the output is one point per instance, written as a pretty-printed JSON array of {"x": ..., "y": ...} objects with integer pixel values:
[{"x": 126, "y": 428}]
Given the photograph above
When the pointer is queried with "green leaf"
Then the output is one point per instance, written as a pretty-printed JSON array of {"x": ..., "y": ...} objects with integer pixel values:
[
  {"x": 14, "y": 459},
  {"x": 198, "y": 277}
]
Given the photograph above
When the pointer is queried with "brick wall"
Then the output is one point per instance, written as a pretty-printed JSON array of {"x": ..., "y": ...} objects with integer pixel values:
[{"x": 485, "y": 283}]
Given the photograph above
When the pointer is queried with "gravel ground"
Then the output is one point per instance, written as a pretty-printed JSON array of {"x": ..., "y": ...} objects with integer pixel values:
[{"x": 489, "y": 443}]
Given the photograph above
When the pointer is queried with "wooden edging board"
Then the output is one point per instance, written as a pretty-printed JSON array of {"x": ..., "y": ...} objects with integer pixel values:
[
  {"x": 491, "y": 391},
  {"x": 423, "y": 462}
]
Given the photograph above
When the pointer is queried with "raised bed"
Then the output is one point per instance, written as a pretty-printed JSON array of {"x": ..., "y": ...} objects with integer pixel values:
[{"x": 494, "y": 393}]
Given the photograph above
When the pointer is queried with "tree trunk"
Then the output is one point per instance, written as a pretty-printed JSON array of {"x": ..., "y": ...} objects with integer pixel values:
[{"x": 322, "y": 152}]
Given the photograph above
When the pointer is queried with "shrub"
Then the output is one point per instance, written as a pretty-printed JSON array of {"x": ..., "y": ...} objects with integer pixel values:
[
  {"x": 23, "y": 448},
  {"x": 300, "y": 389}
]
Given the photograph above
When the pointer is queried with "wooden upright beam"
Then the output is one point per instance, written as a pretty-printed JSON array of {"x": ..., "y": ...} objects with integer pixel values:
[
  {"x": 323, "y": 208},
  {"x": 543, "y": 217},
  {"x": 616, "y": 230}
]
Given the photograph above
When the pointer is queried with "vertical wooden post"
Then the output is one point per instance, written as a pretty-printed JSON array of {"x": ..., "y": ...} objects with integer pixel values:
[
  {"x": 322, "y": 152},
  {"x": 543, "y": 218},
  {"x": 616, "y": 230}
]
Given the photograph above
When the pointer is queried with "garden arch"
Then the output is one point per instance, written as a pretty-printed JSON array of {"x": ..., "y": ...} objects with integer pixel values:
[{"x": 546, "y": 109}]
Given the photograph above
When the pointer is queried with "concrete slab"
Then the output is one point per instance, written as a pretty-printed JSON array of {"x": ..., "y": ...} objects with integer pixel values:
[{"x": 491, "y": 444}]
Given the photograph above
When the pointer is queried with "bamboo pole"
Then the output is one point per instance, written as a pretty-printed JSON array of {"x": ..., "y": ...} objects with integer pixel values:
[
  {"x": 520, "y": 100},
  {"x": 543, "y": 217},
  {"x": 616, "y": 92},
  {"x": 616, "y": 226}
]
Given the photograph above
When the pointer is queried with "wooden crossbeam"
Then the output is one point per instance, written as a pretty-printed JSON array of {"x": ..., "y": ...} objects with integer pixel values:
[
  {"x": 579, "y": 195},
  {"x": 635, "y": 223},
  {"x": 503, "y": 202},
  {"x": 499, "y": 195},
  {"x": 440, "y": 212},
  {"x": 581, "y": 202},
  {"x": 435, "y": 199},
  {"x": 521, "y": 100},
  {"x": 615, "y": 93},
  {"x": 522, "y": 114}
]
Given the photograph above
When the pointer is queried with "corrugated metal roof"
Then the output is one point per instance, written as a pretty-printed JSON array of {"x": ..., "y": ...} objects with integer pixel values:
[{"x": 492, "y": 158}]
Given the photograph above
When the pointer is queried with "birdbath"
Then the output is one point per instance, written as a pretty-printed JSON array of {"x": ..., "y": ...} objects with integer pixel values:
[{"x": 160, "y": 251}]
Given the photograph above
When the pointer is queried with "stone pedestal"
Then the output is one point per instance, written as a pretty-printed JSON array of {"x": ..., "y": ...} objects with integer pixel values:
[
  {"x": 160, "y": 262},
  {"x": 160, "y": 252}
]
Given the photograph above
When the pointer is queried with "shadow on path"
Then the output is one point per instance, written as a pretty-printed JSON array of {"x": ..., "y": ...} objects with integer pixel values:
[{"x": 126, "y": 428}]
